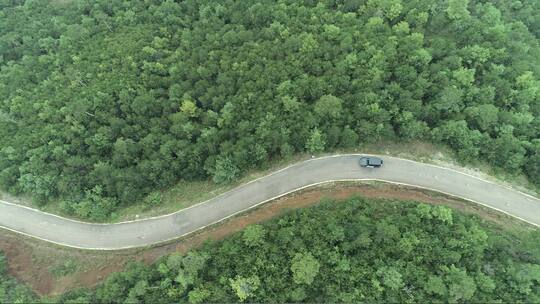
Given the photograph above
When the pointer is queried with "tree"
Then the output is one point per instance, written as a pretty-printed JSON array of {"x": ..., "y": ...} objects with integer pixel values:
[
  {"x": 507, "y": 152},
  {"x": 189, "y": 108},
  {"x": 485, "y": 283},
  {"x": 94, "y": 205},
  {"x": 198, "y": 295},
  {"x": 465, "y": 77},
  {"x": 435, "y": 285},
  {"x": 349, "y": 138},
  {"x": 449, "y": 101},
  {"x": 328, "y": 107},
  {"x": 457, "y": 9},
  {"x": 532, "y": 168},
  {"x": 316, "y": 142},
  {"x": 458, "y": 136},
  {"x": 443, "y": 213},
  {"x": 460, "y": 285},
  {"x": 410, "y": 128},
  {"x": 254, "y": 235},
  {"x": 225, "y": 170},
  {"x": 244, "y": 287},
  {"x": 391, "y": 278},
  {"x": 483, "y": 117},
  {"x": 304, "y": 268}
]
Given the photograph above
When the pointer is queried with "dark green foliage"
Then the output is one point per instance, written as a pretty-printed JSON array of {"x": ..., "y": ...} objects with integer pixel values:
[
  {"x": 354, "y": 251},
  {"x": 10, "y": 290},
  {"x": 119, "y": 98}
]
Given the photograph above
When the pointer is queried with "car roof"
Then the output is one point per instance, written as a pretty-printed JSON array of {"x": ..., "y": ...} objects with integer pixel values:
[{"x": 375, "y": 160}]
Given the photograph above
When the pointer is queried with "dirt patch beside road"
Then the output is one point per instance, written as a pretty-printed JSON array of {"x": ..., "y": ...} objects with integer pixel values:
[{"x": 31, "y": 260}]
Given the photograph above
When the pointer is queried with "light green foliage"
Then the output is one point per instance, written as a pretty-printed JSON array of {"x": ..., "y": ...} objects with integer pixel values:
[
  {"x": 435, "y": 285},
  {"x": 94, "y": 205},
  {"x": 460, "y": 285},
  {"x": 441, "y": 213},
  {"x": 390, "y": 8},
  {"x": 254, "y": 235},
  {"x": 424, "y": 211},
  {"x": 225, "y": 171},
  {"x": 464, "y": 77},
  {"x": 290, "y": 104},
  {"x": 331, "y": 31},
  {"x": 153, "y": 199},
  {"x": 189, "y": 108},
  {"x": 402, "y": 27},
  {"x": 328, "y": 107},
  {"x": 485, "y": 283},
  {"x": 309, "y": 44},
  {"x": 244, "y": 287},
  {"x": 457, "y": 9},
  {"x": 304, "y": 268},
  {"x": 390, "y": 278},
  {"x": 394, "y": 9},
  {"x": 316, "y": 142},
  {"x": 198, "y": 295}
]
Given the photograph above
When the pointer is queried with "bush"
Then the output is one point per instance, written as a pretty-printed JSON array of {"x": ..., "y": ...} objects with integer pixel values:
[
  {"x": 153, "y": 199},
  {"x": 94, "y": 206},
  {"x": 225, "y": 171},
  {"x": 63, "y": 269}
]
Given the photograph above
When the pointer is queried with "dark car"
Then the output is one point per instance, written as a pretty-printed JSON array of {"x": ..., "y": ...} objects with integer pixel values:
[{"x": 370, "y": 162}]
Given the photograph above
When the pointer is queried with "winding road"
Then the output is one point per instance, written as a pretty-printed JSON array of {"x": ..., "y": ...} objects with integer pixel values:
[{"x": 144, "y": 232}]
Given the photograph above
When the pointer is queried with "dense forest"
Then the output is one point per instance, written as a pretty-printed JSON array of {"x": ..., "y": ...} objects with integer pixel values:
[
  {"x": 360, "y": 251},
  {"x": 12, "y": 291},
  {"x": 103, "y": 102}
]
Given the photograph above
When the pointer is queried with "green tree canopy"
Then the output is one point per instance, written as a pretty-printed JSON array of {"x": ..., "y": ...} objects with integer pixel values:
[
  {"x": 304, "y": 268},
  {"x": 133, "y": 97}
]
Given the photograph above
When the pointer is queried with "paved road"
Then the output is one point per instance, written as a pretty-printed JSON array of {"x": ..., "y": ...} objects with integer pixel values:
[{"x": 343, "y": 167}]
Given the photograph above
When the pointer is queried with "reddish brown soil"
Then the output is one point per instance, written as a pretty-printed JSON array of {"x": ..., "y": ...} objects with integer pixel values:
[
  {"x": 29, "y": 260},
  {"x": 21, "y": 265}
]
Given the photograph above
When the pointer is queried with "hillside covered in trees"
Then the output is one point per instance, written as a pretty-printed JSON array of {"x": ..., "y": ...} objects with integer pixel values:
[
  {"x": 103, "y": 102},
  {"x": 354, "y": 251}
]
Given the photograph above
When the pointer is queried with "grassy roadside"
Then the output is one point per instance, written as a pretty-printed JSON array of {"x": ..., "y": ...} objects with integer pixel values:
[{"x": 187, "y": 193}]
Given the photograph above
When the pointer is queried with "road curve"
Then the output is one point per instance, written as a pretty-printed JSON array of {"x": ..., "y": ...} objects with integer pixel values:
[{"x": 144, "y": 232}]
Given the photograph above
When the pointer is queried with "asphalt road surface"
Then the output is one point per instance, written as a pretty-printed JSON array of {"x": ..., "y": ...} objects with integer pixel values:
[{"x": 315, "y": 171}]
